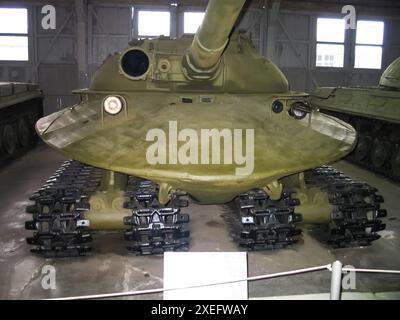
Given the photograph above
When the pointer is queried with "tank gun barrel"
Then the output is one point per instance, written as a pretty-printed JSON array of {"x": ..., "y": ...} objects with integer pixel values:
[{"x": 202, "y": 59}]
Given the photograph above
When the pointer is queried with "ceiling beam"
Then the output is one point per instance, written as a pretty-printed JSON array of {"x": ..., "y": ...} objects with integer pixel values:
[{"x": 312, "y": 5}]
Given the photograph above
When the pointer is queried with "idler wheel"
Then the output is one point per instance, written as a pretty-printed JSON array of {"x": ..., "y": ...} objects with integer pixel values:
[
  {"x": 24, "y": 133},
  {"x": 362, "y": 149},
  {"x": 9, "y": 139},
  {"x": 395, "y": 161},
  {"x": 380, "y": 153}
]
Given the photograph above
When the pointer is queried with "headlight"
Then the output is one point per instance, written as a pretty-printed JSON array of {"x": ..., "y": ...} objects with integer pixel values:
[{"x": 112, "y": 105}]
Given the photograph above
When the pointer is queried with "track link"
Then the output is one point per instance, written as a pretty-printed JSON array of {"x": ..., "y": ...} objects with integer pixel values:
[
  {"x": 57, "y": 220},
  {"x": 356, "y": 208},
  {"x": 154, "y": 228},
  {"x": 259, "y": 223},
  {"x": 60, "y": 229}
]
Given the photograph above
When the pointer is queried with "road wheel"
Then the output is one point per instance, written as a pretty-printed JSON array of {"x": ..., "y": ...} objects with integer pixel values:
[
  {"x": 9, "y": 139},
  {"x": 1, "y": 140},
  {"x": 395, "y": 161},
  {"x": 24, "y": 133},
  {"x": 362, "y": 149},
  {"x": 380, "y": 153}
]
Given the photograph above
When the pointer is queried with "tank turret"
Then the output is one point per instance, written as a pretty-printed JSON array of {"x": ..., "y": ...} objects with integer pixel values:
[
  {"x": 218, "y": 59},
  {"x": 391, "y": 77}
]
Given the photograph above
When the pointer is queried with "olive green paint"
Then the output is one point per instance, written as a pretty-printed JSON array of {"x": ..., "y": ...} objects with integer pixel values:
[
  {"x": 238, "y": 93},
  {"x": 379, "y": 102},
  {"x": 12, "y": 93}
]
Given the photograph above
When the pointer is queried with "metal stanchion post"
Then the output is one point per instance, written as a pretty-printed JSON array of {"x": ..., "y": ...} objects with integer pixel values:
[{"x": 336, "y": 280}]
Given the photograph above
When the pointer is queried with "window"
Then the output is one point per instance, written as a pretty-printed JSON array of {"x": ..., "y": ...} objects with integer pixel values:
[
  {"x": 192, "y": 21},
  {"x": 14, "y": 34},
  {"x": 330, "y": 42},
  {"x": 369, "y": 41},
  {"x": 154, "y": 23}
]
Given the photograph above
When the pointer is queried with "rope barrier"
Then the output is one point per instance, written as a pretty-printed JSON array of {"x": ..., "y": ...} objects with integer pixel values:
[
  {"x": 253, "y": 278},
  {"x": 372, "y": 270},
  {"x": 151, "y": 291}
]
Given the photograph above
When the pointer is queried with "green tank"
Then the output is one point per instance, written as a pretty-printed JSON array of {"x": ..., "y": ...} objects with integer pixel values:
[
  {"x": 375, "y": 113},
  {"x": 205, "y": 117},
  {"x": 21, "y": 105}
]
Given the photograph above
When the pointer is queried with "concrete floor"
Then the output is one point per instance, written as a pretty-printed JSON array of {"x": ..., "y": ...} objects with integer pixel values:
[{"x": 112, "y": 269}]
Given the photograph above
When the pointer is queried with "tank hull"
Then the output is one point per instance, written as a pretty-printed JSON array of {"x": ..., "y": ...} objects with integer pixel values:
[
  {"x": 375, "y": 113},
  {"x": 21, "y": 105},
  {"x": 367, "y": 102},
  {"x": 122, "y": 144}
]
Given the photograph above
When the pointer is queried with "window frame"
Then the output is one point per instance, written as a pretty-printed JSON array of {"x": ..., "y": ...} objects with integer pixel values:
[
  {"x": 183, "y": 18},
  {"x": 138, "y": 9},
  {"x": 26, "y": 35},
  {"x": 344, "y": 44},
  {"x": 349, "y": 47},
  {"x": 356, "y": 44}
]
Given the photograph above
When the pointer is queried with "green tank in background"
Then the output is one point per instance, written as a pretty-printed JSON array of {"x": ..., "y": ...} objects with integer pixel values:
[
  {"x": 167, "y": 118},
  {"x": 375, "y": 113},
  {"x": 21, "y": 105}
]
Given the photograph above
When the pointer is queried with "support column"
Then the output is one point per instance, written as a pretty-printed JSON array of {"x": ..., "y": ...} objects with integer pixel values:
[
  {"x": 272, "y": 29},
  {"x": 81, "y": 40},
  {"x": 264, "y": 29},
  {"x": 174, "y": 29}
]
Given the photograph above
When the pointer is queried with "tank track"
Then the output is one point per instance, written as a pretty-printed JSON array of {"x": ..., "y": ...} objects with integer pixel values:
[
  {"x": 259, "y": 223},
  {"x": 366, "y": 164},
  {"x": 356, "y": 208},
  {"x": 58, "y": 224},
  {"x": 60, "y": 229},
  {"x": 154, "y": 228}
]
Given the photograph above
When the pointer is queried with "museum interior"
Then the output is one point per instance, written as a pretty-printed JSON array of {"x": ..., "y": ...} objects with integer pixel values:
[{"x": 208, "y": 149}]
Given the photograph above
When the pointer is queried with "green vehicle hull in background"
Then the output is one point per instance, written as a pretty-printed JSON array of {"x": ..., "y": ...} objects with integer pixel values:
[
  {"x": 21, "y": 105},
  {"x": 375, "y": 113}
]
